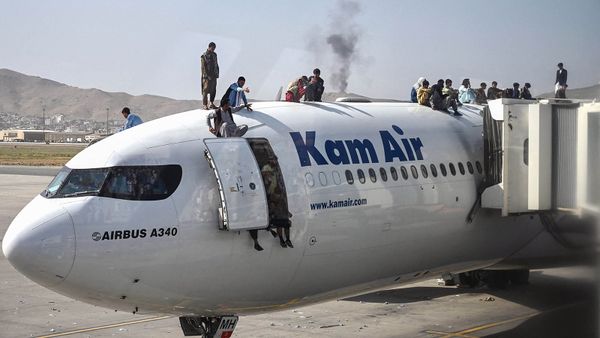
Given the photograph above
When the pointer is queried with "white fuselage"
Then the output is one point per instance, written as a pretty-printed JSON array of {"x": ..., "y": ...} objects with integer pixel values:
[{"x": 348, "y": 238}]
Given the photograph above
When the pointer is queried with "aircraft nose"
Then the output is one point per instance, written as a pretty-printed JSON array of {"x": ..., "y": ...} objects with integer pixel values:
[{"x": 40, "y": 242}]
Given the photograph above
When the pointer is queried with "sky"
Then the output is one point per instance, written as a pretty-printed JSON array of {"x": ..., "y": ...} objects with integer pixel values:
[{"x": 154, "y": 47}]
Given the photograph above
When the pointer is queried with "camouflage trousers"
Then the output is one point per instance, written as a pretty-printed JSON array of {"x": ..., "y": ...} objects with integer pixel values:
[{"x": 209, "y": 87}]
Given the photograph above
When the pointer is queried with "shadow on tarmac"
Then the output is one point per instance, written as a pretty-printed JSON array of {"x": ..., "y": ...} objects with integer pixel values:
[{"x": 567, "y": 306}]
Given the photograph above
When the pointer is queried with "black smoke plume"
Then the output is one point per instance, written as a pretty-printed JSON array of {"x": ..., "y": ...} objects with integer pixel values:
[{"x": 343, "y": 39}]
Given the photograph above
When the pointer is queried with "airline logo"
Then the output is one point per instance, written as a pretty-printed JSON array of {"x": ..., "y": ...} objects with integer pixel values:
[{"x": 357, "y": 151}]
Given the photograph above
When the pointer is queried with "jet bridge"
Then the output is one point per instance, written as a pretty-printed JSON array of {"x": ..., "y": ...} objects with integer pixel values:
[{"x": 541, "y": 156}]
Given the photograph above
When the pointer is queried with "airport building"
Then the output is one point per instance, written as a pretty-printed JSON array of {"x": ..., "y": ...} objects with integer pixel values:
[
  {"x": 20, "y": 135},
  {"x": 66, "y": 137}
]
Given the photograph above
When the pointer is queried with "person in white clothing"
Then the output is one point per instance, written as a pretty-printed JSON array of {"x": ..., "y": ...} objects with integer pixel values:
[{"x": 224, "y": 126}]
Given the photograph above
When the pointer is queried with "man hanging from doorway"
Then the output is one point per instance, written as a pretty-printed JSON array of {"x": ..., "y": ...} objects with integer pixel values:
[{"x": 279, "y": 216}]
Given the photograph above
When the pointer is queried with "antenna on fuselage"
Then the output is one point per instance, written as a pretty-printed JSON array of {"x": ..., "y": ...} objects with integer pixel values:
[{"x": 279, "y": 92}]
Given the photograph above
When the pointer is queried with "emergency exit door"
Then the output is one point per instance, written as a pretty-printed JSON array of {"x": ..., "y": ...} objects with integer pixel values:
[{"x": 241, "y": 189}]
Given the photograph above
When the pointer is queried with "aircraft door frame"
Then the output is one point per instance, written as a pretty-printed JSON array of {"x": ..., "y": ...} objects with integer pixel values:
[
  {"x": 241, "y": 189},
  {"x": 277, "y": 197}
]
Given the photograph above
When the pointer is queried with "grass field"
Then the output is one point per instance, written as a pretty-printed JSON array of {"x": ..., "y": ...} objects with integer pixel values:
[{"x": 37, "y": 154}]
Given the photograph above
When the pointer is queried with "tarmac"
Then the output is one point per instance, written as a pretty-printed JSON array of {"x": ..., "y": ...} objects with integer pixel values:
[{"x": 557, "y": 302}]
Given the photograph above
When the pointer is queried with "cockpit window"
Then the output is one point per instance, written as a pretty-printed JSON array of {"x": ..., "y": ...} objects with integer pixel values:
[
  {"x": 83, "y": 182},
  {"x": 142, "y": 183},
  {"x": 130, "y": 183},
  {"x": 56, "y": 182}
]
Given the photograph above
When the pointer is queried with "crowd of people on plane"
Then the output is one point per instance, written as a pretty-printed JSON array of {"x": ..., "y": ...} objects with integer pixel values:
[
  {"x": 221, "y": 123},
  {"x": 441, "y": 96},
  {"x": 311, "y": 88}
]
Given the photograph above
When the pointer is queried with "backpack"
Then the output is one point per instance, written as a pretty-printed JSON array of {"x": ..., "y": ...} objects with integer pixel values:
[{"x": 226, "y": 96}]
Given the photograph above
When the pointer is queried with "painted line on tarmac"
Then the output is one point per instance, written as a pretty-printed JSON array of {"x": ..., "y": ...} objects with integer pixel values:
[
  {"x": 110, "y": 326},
  {"x": 442, "y": 333},
  {"x": 465, "y": 333},
  {"x": 490, "y": 325}
]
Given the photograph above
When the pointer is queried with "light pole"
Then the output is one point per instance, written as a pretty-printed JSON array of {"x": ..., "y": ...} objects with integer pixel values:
[
  {"x": 107, "y": 121},
  {"x": 44, "y": 122}
]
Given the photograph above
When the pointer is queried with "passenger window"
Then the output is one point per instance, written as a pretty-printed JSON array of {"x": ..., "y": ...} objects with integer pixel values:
[
  {"x": 424, "y": 171},
  {"x": 383, "y": 174},
  {"x": 336, "y": 178},
  {"x": 443, "y": 169},
  {"x": 404, "y": 172},
  {"x": 433, "y": 170},
  {"x": 372, "y": 175},
  {"x": 461, "y": 168},
  {"x": 394, "y": 173},
  {"x": 470, "y": 167},
  {"x": 361, "y": 176},
  {"x": 478, "y": 165},
  {"x": 414, "y": 171},
  {"x": 322, "y": 178},
  {"x": 310, "y": 180},
  {"x": 349, "y": 177},
  {"x": 452, "y": 169}
]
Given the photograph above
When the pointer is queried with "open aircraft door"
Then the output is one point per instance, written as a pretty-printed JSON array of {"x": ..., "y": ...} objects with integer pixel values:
[{"x": 241, "y": 189}]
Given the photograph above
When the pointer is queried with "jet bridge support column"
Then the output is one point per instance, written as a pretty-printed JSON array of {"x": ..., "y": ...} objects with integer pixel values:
[{"x": 546, "y": 153}]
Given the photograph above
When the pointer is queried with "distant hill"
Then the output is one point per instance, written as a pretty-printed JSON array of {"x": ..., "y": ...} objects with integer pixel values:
[
  {"x": 586, "y": 93},
  {"x": 25, "y": 95}
]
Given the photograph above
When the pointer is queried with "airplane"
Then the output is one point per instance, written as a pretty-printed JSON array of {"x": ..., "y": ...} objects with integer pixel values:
[{"x": 158, "y": 218}]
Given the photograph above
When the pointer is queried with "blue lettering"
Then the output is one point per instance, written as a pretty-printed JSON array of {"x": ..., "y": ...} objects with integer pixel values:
[
  {"x": 304, "y": 149},
  {"x": 336, "y": 152},
  {"x": 417, "y": 145},
  {"x": 356, "y": 151},
  {"x": 355, "y": 146},
  {"x": 409, "y": 152},
  {"x": 391, "y": 148}
]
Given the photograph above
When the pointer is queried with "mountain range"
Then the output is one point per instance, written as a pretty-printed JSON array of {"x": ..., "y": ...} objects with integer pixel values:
[{"x": 28, "y": 95}]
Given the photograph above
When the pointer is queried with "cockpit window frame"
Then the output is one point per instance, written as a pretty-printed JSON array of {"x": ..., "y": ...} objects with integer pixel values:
[
  {"x": 167, "y": 177},
  {"x": 60, "y": 178}
]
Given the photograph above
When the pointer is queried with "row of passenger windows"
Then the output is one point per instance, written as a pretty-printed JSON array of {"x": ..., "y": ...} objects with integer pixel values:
[{"x": 425, "y": 171}]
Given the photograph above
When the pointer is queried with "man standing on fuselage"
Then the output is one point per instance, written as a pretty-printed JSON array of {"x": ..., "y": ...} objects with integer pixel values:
[{"x": 210, "y": 74}]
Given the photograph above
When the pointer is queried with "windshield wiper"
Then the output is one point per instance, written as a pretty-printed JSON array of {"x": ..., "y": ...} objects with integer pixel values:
[{"x": 80, "y": 193}]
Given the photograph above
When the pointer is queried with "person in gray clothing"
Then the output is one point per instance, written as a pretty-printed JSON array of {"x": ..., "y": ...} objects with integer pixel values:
[{"x": 224, "y": 126}]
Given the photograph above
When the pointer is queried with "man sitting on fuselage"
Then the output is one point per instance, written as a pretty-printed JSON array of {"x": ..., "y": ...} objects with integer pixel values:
[{"x": 224, "y": 126}]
